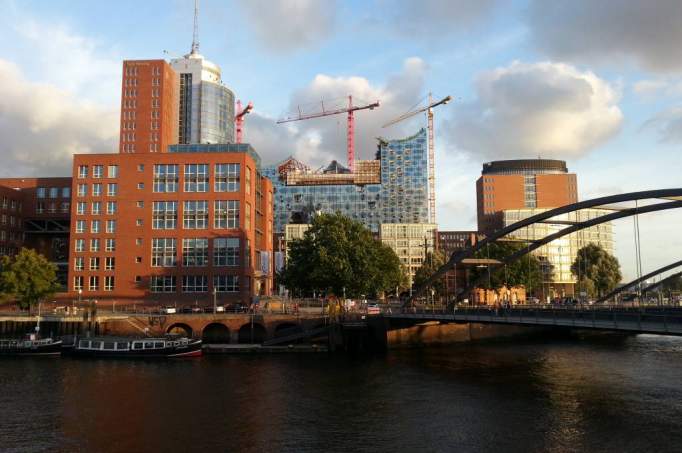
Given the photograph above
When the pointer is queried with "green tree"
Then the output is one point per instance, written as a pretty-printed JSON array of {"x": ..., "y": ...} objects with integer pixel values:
[
  {"x": 432, "y": 262},
  {"x": 29, "y": 277},
  {"x": 597, "y": 269},
  {"x": 526, "y": 271},
  {"x": 338, "y": 253}
]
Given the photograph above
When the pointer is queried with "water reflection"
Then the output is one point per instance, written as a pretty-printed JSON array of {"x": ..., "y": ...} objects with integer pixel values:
[{"x": 598, "y": 393}]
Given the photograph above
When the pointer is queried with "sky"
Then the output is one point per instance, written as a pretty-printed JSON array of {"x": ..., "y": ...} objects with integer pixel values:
[{"x": 598, "y": 84}]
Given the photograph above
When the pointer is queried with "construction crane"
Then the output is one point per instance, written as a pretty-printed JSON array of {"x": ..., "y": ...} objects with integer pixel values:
[
  {"x": 351, "y": 123},
  {"x": 239, "y": 118},
  {"x": 432, "y": 154}
]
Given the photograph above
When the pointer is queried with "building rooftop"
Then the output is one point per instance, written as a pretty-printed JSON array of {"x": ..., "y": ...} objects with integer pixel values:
[
  {"x": 518, "y": 166},
  {"x": 216, "y": 148}
]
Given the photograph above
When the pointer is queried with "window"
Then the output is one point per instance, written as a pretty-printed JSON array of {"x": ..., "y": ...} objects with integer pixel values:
[
  {"x": 82, "y": 190},
  {"x": 195, "y": 252},
  {"x": 108, "y": 283},
  {"x": 96, "y": 208},
  {"x": 109, "y": 263},
  {"x": 79, "y": 263},
  {"x": 247, "y": 217},
  {"x": 111, "y": 207},
  {"x": 94, "y": 283},
  {"x": 140, "y": 204},
  {"x": 110, "y": 245},
  {"x": 195, "y": 214},
  {"x": 78, "y": 283},
  {"x": 66, "y": 207},
  {"x": 165, "y": 178},
  {"x": 139, "y": 222},
  {"x": 138, "y": 241},
  {"x": 140, "y": 185},
  {"x": 80, "y": 226},
  {"x": 40, "y": 193},
  {"x": 111, "y": 226},
  {"x": 96, "y": 190},
  {"x": 196, "y": 177},
  {"x": 80, "y": 208},
  {"x": 97, "y": 171},
  {"x": 112, "y": 189},
  {"x": 226, "y": 283},
  {"x": 82, "y": 171},
  {"x": 164, "y": 215},
  {"x": 40, "y": 208},
  {"x": 138, "y": 259},
  {"x": 112, "y": 171},
  {"x": 94, "y": 263},
  {"x": 194, "y": 284},
  {"x": 80, "y": 245},
  {"x": 226, "y": 214},
  {"x": 226, "y": 178},
  {"x": 52, "y": 207},
  {"x": 226, "y": 251},
  {"x": 94, "y": 245},
  {"x": 248, "y": 181},
  {"x": 54, "y": 192},
  {"x": 94, "y": 226},
  {"x": 162, "y": 283},
  {"x": 140, "y": 167},
  {"x": 163, "y": 252},
  {"x": 66, "y": 192}
]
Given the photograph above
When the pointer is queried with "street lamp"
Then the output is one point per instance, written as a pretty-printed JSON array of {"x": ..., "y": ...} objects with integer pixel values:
[
  {"x": 80, "y": 293},
  {"x": 215, "y": 306}
]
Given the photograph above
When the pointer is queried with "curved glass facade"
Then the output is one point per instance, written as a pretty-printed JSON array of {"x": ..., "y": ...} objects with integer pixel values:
[{"x": 217, "y": 113}]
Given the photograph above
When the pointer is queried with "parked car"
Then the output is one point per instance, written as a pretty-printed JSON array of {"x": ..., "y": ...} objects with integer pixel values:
[
  {"x": 169, "y": 310},
  {"x": 373, "y": 309}
]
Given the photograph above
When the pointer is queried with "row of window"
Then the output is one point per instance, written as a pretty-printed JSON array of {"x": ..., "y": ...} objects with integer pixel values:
[
  {"x": 194, "y": 283},
  {"x": 53, "y": 192},
  {"x": 96, "y": 207},
  {"x": 12, "y": 220},
  {"x": 112, "y": 189},
  {"x": 93, "y": 283},
  {"x": 94, "y": 263},
  {"x": 95, "y": 226},
  {"x": 226, "y": 178},
  {"x": 132, "y": 70},
  {"x": 195, "y": 252},
  {"x": 98, "y": 171},
  {"x": 109, "y": 245},
  {"x": 195, "y": 214},
  {"x": 11, "y": 236},
  {"x": 52, "y": 207}
]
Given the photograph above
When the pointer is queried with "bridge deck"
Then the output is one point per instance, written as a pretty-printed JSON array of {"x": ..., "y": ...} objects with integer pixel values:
[{"x": 663, "y": 323}]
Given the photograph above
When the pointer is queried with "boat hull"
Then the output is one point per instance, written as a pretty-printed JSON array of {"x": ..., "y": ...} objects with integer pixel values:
[
  {"x": 50, "y": 349},
  {"x": 192, "y": 349}
]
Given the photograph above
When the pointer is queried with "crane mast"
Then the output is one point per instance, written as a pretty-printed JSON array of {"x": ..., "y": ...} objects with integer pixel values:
[
  {"x": 350, "y": 131},
  {"x": 239, "y": 118}
]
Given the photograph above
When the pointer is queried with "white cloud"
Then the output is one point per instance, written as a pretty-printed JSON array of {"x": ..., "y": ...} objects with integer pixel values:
[
  {"x": 283, "y": 26},
  {"x": 317, "y": 141},
  {"x": 647, "y": 33},
  {"x": 537, "y": 109},
  {"x": 42, "y": 126}
]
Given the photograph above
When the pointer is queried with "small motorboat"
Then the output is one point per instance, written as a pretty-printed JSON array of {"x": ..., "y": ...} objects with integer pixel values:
[
  {"x": 167, "y": 347},
  {"x": 31, "y": 345}
]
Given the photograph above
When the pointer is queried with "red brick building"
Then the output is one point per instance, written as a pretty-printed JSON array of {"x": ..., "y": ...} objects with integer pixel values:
[
  {"x": 171, "y": 227},
  {"x": 522, "y": 183},
  {"x": 149, "y": 106}
]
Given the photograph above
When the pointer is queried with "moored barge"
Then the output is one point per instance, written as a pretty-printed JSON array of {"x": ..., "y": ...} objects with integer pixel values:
[
  {"x": 103, "y": 347},
  {"x": 32, "y": 346}
]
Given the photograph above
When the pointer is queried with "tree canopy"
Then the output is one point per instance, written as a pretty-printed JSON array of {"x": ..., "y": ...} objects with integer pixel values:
[
  {"x": 431, "y": 263},
  {"x": 598, "y": 271},
  {"x": 337, "y": 252},
  {"x": 28, "y": 276},
  {"x": 525, "y": 271}
]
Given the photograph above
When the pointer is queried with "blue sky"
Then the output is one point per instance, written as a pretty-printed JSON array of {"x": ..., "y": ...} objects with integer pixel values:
[{"x": 595, "y": 83}]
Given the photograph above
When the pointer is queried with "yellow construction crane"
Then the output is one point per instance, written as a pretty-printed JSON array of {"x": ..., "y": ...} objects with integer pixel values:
[{"x": 432, "y": 154}]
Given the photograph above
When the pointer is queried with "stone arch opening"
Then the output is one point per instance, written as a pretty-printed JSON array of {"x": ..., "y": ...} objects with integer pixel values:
[
  {"x": 216, "y": 333},
  {"x": 251, "y": 333},
  {"x": 180, "y": 329}
]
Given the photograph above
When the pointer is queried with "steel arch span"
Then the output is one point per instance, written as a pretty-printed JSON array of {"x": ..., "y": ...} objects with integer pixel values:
[
  {"x": 660, "y": 270},
  {"x": 458, "y": 257},
  {"x": 534, "y": 245},
  {"x": 662, "y": 281}
]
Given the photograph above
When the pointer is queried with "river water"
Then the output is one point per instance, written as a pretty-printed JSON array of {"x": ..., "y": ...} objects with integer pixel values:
[{"x": 587, "y": 394}]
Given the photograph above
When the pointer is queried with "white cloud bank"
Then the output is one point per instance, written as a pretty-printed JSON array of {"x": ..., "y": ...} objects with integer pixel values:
[{"x": 537, "y": 109}]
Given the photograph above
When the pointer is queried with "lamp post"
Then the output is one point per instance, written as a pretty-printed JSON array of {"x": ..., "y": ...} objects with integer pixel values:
[{"x": 215, "y": 306}]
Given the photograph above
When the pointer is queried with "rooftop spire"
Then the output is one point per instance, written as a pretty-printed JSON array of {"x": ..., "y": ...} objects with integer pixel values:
[{"x": 195, "y": 35}]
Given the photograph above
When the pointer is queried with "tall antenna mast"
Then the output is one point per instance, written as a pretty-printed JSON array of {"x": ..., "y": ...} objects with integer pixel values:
[{"x": 195, "y": 35}]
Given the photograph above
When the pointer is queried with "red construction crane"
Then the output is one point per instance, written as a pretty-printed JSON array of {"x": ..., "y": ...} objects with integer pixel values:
[
  {"x": 239, "y": 118},
  {"x": 432, "y": 154},
  {"x": 351, "y": 122}
]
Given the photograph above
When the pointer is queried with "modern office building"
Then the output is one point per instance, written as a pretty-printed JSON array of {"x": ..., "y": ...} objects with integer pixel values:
[
  {"x": 411, "y": 242},
  {"x": 184, "y": 226},
  {"x": 522, "y": 184},
  {"x": 392, "y": 188},
  {"x": 149, "y": 102},
  {"x": 205, "y": 105},
  {"x": 559, "y": 255}
]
